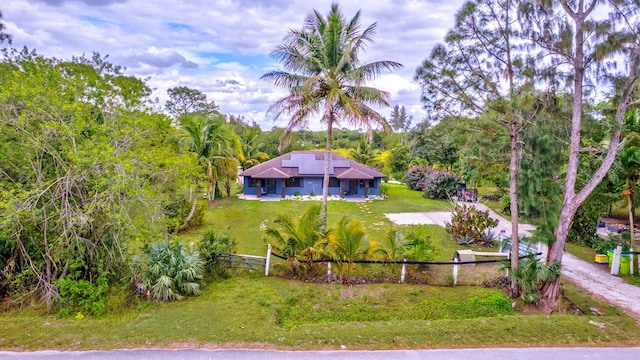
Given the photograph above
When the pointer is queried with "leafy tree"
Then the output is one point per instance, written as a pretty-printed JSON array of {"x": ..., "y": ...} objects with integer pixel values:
[
  {"x": 86, "y": 170},
  {"x": 184, "y": 100},
  {"x": 575, "y": 42},
  {"x": 326, "y": 78},
  {"x": 399, "y": 161},
  {"x": 479, "y": 69},
  {"x": 400, "y": 120}
]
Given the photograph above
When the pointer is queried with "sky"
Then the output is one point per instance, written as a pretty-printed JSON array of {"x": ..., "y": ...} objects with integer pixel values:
[{"x": 222, "y": 47}]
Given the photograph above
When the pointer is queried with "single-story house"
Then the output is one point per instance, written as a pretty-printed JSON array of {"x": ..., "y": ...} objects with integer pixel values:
[{"x": 301, "y": 173}]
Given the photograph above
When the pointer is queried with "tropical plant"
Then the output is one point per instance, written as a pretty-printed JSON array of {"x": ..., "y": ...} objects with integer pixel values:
[
  {"x": 213, "y": 141},
  {"x": 298, "y": 237},
  {"x": 211, "y": 247},
  {"x": 530, "y": 276},
  {"x": 419, "y": 246},
  {"x": 346, "y": 243},
  {"x": 326, "y": 78},
  {"x": 169, "y": 271},
  {"x": 467, "y": 222}
]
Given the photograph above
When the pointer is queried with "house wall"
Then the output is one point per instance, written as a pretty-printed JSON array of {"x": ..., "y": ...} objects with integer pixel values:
[{"x": 308, "y": 185}]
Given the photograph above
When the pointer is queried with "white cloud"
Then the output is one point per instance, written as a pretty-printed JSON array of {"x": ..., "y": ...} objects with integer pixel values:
[{"x": 222, "y": 48}]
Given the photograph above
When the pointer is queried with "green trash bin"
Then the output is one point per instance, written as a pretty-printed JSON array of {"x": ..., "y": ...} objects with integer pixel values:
[
  {"x": 610, "y": 256},
  {"x": 625, "y": 264}
]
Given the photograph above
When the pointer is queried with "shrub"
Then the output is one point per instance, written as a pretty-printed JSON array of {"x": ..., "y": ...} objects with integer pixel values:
[
  {"x": 211, "y": 247},
  {"x": 467, "y": 222},
  {"x": 418, "y": 244},
  {"x": 416, "y": 175},
  {"x": 169, "y": 271},
  {"x": 530, "y": 275},
  {"x": 81, "y": 296},
  {"x": 434, "y": 183}
]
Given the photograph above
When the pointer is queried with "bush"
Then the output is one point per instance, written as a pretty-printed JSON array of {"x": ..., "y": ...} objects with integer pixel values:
[
  {"x": 82, "y": 297},
  {"x": 169, "y": 271},
  {"x": 211, "y": 246},
  {"x": 469, "y": 223},
  {"x": 434, "y": 183}
]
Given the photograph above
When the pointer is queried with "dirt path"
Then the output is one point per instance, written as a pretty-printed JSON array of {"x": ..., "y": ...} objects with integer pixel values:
[{"x": 593, "y": 278}]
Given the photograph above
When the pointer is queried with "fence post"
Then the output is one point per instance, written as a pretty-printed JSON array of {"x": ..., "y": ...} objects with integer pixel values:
[
  {"x": 404, "y": 271},
  {"x": 328, "y": 271},
  {"x": 615, "y": 266},
  {"x": 267, "y": 261},
  {"x": 455, "y": 271},
  {"x": 631, "y": 261}
]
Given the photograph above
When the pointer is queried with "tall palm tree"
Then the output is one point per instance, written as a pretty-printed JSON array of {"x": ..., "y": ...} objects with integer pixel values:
[
  {"x": 210, "y": 138},
  {"x": 326, "y": 79}
]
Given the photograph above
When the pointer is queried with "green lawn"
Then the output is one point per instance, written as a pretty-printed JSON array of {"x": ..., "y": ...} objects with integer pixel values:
[{"x": 249, "y": 310}]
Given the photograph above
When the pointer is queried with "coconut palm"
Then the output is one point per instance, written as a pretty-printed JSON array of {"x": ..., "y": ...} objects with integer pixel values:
[
  {"x": 210, "y": 138},
  {"x": 326, "y": 79},
  {"x": 297, "y": 237}
]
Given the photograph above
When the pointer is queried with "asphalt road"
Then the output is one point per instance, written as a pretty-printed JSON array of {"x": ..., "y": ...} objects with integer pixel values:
[{"x": 444, "y": 354}]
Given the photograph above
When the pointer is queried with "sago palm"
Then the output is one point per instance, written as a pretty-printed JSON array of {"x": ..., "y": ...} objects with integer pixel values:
[{"x": 326, "y": 79}]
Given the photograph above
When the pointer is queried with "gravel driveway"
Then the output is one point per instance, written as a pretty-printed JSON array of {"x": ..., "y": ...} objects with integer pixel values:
[{"x": 595, "y": 279}]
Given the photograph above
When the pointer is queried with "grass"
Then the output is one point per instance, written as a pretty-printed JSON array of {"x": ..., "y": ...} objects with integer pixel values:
[
  {"x": 258, "y": 312},
  {"x": 252, "y": 311}
]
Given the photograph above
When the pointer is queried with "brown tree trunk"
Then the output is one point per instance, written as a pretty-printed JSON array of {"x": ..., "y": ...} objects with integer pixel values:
[{"x": 513, "y": 206}]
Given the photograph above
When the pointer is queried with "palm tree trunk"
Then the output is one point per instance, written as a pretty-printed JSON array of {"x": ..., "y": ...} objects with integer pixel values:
[
  {"x": 325, "y": 180},
  {"x": 193, "y": 205}
]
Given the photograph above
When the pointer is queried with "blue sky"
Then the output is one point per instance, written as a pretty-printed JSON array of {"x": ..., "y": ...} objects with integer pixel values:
[{"x": 222, "y": 47}]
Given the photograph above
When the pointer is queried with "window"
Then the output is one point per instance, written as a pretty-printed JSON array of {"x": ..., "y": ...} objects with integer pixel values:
[
  {"x": 372, "y": 183},
  {"x": 334, "y": 182},
  {"x": 253, "y": 182},
  {"x": 294, "y": 182}
]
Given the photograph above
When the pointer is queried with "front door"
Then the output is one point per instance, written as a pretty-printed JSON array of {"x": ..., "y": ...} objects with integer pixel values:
[
  {"x": 353, "y": 187},
  {"x": 271, "y": 186}
]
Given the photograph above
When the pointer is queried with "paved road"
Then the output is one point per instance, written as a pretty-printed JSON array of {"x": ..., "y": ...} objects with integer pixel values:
[{"x": 444, "y": 354}]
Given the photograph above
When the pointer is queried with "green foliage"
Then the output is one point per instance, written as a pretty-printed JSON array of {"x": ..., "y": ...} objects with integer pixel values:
[
  {"x": 419, "y": 245},
  {"x": 398, "y": 161},
  {"x": 169, "y": 271},
  {"x": 297, "y": 237},
  {"x": 87, "y": 168},
  {"x": 530, "y": 276},
  {"x": 347, "y": 242},
  {"x": 82, "y": 296},
  {"x": 433, "y": 183},
  {"x": 211, "y": 246},
  {"x": 467, "y": 222},
  {"x": 178, "y": 209}
]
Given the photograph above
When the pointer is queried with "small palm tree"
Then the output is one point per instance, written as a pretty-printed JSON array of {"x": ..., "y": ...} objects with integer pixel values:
[
  {"x": 393, "y": 247},
  {"x": 170, "y": 271},
  {"x": 326, "y": 79},
  {"x": 297, "y": 238},
  {"x": 347, "y": 242}
]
